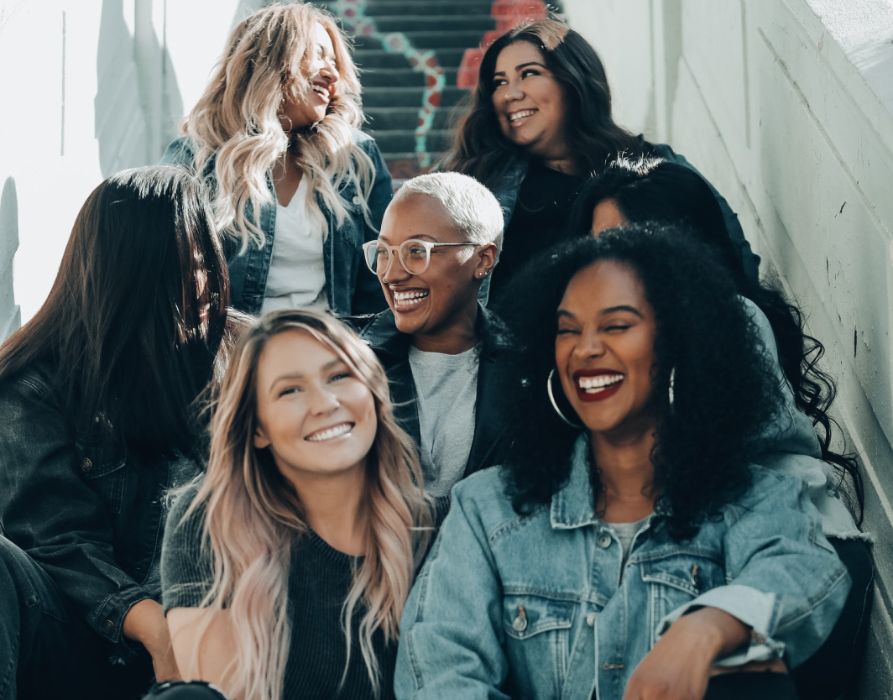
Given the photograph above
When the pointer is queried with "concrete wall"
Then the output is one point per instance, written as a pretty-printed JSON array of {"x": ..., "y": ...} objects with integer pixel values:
[
  {"x": 787, "y": 107},
  {"x": 89, "y": 87}
]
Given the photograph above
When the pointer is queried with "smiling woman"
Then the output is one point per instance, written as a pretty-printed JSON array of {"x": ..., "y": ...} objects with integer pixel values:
[
  {"x": 538, "y": 123},
  {"x": 285, "y": 569},
  {"x": 297, "y": 186},
  {"x": 633, "y": 545}
]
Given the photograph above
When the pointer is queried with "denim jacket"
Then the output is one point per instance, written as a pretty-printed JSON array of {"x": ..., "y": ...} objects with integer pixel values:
[
  {"x": 538, "y": 606},
  {"x": 509, "y": 185},
  {"x": 349, "y": 289},
  {"x": 86, "y": 510}
]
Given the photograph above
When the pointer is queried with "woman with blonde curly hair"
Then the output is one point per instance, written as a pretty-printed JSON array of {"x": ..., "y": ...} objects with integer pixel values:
[
  {"x": 286, "y": 568},
  {"x": 296, "y": 185}
]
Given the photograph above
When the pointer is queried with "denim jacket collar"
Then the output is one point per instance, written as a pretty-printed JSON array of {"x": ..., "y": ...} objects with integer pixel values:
[{"x": 573, "y": 505}]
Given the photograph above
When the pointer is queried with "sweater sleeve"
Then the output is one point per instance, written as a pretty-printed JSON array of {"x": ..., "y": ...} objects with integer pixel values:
[{"x": 187, "y": 568}]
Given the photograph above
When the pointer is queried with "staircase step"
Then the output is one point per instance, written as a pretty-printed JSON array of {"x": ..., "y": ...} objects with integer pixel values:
[
  {"x": 391, "y": 118},
  {"x": 419, "y": 7},
  {"x": 408, "y": 97},
  {"x": 406, "y": 77},
  {"x": 371, "y": 55},
  {"x": 397, "y": 141},
  {"x": 447, "y": 38},
  {"x": 432, "y": 22}
]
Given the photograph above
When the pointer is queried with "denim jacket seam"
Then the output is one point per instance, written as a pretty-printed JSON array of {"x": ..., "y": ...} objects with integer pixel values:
[{"x": 781, "y": 624}]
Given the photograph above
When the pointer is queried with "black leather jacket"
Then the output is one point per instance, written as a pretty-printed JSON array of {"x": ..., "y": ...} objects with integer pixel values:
[
  {"x": 491, "y": 421},
  {"x": 86, "y": 510}
]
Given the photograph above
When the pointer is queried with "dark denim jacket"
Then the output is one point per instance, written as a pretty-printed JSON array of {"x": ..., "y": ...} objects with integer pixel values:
[
  {"x": 349, "y": 288},
  {"x": 72, "y": 497},
  {"x": 509, "y": 184},
  {"x": 491, "y": 419}
]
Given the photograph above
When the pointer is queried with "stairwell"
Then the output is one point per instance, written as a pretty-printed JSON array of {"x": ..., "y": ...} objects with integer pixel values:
[{"x": 413, "y": 55}]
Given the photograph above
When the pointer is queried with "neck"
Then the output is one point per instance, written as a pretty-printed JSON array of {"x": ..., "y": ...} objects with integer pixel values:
[
  {"x": 335, "y": 507},
  {"x": 458, "y": 337},
  {"x": 626, "y": 475},
  {"x": 564, "y": 164}
]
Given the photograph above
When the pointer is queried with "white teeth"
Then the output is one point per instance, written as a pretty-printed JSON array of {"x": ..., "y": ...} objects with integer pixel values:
[
  {"x": 515, "y": 116},
  {"x": 593, "y": 385},
  {"x": 410, "y": 298},
  {"x": 330, "y": 433}
]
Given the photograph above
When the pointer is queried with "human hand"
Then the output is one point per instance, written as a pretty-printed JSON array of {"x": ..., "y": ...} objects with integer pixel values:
[
  {"x": 145, "y": 623},
  {"x": 678, "y": 667}
]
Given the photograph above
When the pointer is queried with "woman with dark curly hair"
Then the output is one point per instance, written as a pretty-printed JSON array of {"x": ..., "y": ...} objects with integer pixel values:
[
  {"x": 632, "y": 541},
  {"x": 652, "y": 189},
  {"x": 538, "y": 122}
]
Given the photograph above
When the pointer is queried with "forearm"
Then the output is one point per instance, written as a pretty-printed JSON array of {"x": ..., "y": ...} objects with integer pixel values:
[{"x": 145, "y": 623}]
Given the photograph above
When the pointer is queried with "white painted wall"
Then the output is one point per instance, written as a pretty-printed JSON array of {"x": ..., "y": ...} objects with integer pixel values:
[
  {"x": 89, "y": 87},
  {"x": 787, "y": 107}
]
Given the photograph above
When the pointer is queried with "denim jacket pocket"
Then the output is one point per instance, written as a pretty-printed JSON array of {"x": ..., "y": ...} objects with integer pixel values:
[
  {"x": 537, "y": 633},
  {"x": 101, "y": 465},
  {"x": 673, "y": 581}
]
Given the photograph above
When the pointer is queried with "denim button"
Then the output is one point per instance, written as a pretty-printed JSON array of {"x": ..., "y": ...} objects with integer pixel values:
[
  {"x": 590, "y": 619},
  {"x": 356, "y": 199},
  {"x": 519, "y": 624},
  {"x": 87, "y": 465},
  {"x": 604, "y": 540}
]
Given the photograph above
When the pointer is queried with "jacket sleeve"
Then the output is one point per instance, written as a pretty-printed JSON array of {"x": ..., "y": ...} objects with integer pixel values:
[
  {"x": 368, "y": 297},
  {"x": 49, "y": 511},
  {"x": 749, "y": 259},
  {"x": 451, "y": 642},
  {"x": 783, "y": 578}
]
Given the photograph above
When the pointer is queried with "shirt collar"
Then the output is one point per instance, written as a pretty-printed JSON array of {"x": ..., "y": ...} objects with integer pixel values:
[{"x": 573, "y": 505}]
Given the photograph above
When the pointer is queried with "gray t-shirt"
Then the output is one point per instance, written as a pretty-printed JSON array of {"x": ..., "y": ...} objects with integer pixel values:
[
  {"x": 626, "y": 533},
  {"x": 446, "y": 390}
]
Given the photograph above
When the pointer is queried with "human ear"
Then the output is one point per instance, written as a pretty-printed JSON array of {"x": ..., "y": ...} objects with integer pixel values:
[
  {"x": 486, "y": 260},
  {"x": 260, "y": 439}
]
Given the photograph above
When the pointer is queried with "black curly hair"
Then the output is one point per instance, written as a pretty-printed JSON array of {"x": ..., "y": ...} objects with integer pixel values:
[
  {"x": 653, "y": 189},
  {"x": 724, "y": 392}
]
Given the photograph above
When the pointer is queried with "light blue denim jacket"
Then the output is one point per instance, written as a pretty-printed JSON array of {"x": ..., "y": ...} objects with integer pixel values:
[
  {"x": 539, "y": 607},
  {"x": 350, "y": 289}
]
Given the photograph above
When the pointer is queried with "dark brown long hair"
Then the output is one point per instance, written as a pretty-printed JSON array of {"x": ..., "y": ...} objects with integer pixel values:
[
  {"x": 479, "y": 148},
  {"x": 123, "y": 332}
]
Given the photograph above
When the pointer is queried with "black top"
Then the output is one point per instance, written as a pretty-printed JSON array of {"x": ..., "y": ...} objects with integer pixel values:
[
  {"x": 319, "y": 580},
  {"x": 539, "y": 220}
]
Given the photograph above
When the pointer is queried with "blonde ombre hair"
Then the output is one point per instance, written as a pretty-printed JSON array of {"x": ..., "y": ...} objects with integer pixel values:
[
  {"x": 252, "y": 515},
  {"x": 236, "y": 132}
]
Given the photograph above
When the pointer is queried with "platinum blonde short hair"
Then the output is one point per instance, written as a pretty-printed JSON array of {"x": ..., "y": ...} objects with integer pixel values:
[{"x": 471, "y": 206}]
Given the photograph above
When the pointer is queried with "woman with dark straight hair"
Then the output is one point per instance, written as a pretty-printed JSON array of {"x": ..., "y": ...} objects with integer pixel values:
[
  {"x": 538, "y": 122},
  {"x": 98, "y": 418}
]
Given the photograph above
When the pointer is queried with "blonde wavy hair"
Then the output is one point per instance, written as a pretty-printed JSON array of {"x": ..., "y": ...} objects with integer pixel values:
[
  {"x": 252, "y": 516},
  {"x": 236, "y": 132}
]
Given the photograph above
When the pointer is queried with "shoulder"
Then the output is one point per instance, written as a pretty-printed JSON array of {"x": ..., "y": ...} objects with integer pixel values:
[
  {"x": 364, "y": 141},
  {"x": 180, "y": 151},
  {"x": 30, "y": 386},
  {"x": 770, "y": 491},
  {"x": 184, "y": 523},
  {"x": 484, "y": 492}
]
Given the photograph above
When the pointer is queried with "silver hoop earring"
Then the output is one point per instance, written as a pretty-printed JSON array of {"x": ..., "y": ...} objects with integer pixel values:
[
  {"x": 671, "y": 385},
  {"x": 555, "y": 403}
]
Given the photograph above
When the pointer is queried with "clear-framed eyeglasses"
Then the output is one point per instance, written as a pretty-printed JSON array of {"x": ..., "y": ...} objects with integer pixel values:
[{"x": 414, "y": 255}]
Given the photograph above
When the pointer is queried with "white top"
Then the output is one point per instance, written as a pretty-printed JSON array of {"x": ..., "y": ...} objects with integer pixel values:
[
  {"x": 297, "y": 275},
  {"x": 446, "y": 389}
]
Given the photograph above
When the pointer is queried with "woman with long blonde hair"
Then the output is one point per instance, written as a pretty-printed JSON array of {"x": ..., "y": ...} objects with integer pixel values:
[
  {"x": 298, "y": 188},
  {"x": 285, "y": 570}
]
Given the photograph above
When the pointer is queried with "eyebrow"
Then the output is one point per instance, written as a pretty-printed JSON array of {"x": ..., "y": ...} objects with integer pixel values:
[
  {"x": 520, "y": 66},
  {"x": 564, "y": 313},
  {"x": 415, "y": 236},
  {"x": 331, "y": 364}
]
